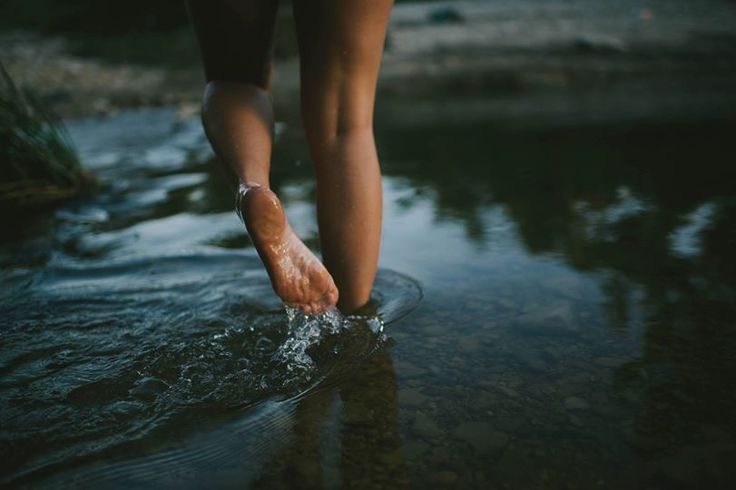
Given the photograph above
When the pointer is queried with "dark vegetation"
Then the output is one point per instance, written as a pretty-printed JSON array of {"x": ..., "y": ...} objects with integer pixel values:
[
  {"x": 95, "y": 17},
  {"x": 152, "y": 32},
  {"x": 38, "y": 165}
]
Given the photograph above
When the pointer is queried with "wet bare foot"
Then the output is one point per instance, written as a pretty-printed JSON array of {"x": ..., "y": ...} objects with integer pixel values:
[{"x": 297, "y": 276}]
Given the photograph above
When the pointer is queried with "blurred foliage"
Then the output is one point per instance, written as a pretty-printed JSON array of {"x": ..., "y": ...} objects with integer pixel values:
[
  {"x": 95, "y": 17},
  {"x": 151, "y": 32},
  {"x": 38, "y": 165},
  {"x": 88, "y": 16}
]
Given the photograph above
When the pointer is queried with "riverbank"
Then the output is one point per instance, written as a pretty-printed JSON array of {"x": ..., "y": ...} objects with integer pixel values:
[{"x": 530, "y": 60}]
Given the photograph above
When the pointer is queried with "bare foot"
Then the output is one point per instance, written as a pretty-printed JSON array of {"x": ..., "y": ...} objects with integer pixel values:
[{"x": 297, "y": 276}]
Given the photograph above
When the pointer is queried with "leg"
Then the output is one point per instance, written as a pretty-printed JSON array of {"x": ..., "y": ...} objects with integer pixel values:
[
  {"x": 235, "y": 40},
  {"x": 236, "y": 52},
  {"x": 340, "y": 46}
]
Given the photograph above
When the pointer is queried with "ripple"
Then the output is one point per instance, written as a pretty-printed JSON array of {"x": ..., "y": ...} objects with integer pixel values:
[{"x": 142, "y": 348}]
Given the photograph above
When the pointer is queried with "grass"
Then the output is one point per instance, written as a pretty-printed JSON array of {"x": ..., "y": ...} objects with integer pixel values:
[{"x": 38, "y": 164}]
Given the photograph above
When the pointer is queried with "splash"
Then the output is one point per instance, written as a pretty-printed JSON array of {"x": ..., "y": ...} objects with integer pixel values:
[
  {"x": 239, "y": 194},
  {"x": 308, "y": 335}
]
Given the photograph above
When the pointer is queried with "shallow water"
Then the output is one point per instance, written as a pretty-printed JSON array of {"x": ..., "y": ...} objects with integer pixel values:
[{"x": 576, "y": 327}]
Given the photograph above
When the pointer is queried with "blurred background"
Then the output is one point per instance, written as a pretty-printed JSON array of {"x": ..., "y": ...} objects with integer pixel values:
[{"x": 85, "y": 57}]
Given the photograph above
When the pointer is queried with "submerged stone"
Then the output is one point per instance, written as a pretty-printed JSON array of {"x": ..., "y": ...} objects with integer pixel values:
[
  {"x": 576, "y": 403},
  {"x": 482, "y": 436},
  {"x": 425, "y": 427},
  {"x": 411, "y": 397},
  {"x": 148, "y": 388}
]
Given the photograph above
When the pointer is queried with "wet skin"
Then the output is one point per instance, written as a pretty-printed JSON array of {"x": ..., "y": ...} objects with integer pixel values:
[{"x": 297, "y": 275}]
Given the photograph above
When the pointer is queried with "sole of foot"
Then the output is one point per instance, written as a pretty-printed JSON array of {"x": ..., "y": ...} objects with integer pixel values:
[{"x": 297, "y": 275}]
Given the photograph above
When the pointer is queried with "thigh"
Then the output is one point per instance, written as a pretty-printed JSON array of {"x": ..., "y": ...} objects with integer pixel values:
[
  {"x": 235, "y": 38},
  {"x": 340, "y": 48}
]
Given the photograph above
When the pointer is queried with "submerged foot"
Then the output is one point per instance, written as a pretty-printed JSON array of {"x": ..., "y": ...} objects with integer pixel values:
[{"x": 297, "y": 275}]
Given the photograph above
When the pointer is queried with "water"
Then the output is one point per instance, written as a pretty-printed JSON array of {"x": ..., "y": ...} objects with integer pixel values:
[{"x": 576, "y": 326}]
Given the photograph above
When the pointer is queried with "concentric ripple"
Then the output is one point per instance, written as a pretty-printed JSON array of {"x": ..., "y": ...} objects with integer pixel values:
[{"x": 98, "y": 359}]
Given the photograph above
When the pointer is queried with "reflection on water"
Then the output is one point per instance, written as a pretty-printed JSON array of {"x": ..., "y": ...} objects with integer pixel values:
[
  {"x": 576, "y": 328},
  {"x": 603, "y": 332}
]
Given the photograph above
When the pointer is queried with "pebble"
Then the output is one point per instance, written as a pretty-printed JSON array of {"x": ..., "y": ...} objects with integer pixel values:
[
  {"x": 148, "y": 388},
  {"x": 608, "y": 362},
  {"x": 415, "y": 449},
  {"x": 485, "y": 400},
  {"x": 359, "y": 414},
  {"x": 409, "y": 370},
  {"x": 509, "y": 424},
  {"x": 544, "y": 320},
  {"x": 576, "y": 403},
  {"x": 511, "y": 393},
  {"x": 513, "y": 467},
  {"x": 482, "y": 436},
  {"x": 444, "y": 478},
  {"x": 531, "y": 360},
  {"x": 425, "y": 427},
  {"x": 469, "y": 344},
  {"x": 411, "y": 397}
]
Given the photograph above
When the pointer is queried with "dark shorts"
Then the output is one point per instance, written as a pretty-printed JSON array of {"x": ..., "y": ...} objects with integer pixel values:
[{"x": 235, "y": 41}]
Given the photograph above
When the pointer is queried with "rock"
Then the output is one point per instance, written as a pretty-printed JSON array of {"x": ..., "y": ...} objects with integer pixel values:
[
  {"x": 444, "y": 478},
  {"x": 608, "y": 362},
  {"x": 606, "y": 407},
  {"x": 576, "y": 403},
  {"x": 485, "y": 400},
  {"x": 508, "y": 424},
  {"x": 572, "y": 385},
  {"x": 544, "y": 320},
  {"x": 445, "y": 15},
  {"x": 509, "y": 392},
  {"x": 513, "y": 468},
  {"x": 479, "y": 476},
  {"x": 599, "y": 44},
  {"x": 392, "y": 458},
  {"x": 514, "y": 380},
  {"x": 531, "y": 360},
  {"x": 610, "y": 411},
  {"x": 148, "y": 388},
  {"x": 482, "y": 436},
  {"x": 123, "y": 409},
  {"x": 415, "y": 449},
  {"x": 692, "y": 465},
  {"x": 408, "y": 370},
  {"x": 359, "y": 414},
  {"x": 468, "y": 344},
  {"x": 425, "y": 427},
  {"x": 411, "y": 397},
  {"x": 716, "y": 434}
]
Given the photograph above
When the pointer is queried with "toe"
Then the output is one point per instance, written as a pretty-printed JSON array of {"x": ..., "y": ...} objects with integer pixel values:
[
  {"x": 319, "y": 307},
  {"x": 333, "y": 296}
]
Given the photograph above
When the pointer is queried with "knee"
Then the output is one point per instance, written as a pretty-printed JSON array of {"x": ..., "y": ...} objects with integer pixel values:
[
  {"x": 221, "y": 94},
  {"x": 339, "y": 138},
  {"x": 335, "y": 109}
]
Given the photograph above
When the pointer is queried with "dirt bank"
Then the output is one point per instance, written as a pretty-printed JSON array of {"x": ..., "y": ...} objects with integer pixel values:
[{"x": 515, "y": 51}]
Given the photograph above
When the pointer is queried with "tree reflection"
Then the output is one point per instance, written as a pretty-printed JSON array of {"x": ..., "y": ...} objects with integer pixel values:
[{"x": 651, "y": 208}]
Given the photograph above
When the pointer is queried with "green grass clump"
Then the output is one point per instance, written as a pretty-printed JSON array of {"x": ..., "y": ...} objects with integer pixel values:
[{"x": 38, "y": 165}]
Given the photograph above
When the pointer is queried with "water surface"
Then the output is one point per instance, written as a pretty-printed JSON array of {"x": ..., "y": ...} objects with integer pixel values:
[{"x": 576, "y": 327}]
